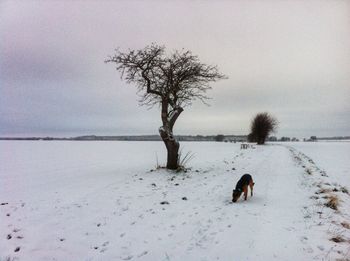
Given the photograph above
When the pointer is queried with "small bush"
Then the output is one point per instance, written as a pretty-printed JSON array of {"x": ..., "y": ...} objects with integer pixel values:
[{"x": 262, "y": 126}]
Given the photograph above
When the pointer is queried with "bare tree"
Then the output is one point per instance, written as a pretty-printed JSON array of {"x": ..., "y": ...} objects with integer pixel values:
[
  {"x": 172, "y": 82},
  {"x": 262, "y": 125}
]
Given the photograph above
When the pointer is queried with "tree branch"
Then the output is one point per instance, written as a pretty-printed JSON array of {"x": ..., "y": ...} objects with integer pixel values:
[
  {"x": 148, "y": 82},
  {"x": 174, "y": 115}
]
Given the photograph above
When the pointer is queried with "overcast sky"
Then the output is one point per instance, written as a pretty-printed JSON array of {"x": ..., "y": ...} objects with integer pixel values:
[{"x": 289, "y": 58}]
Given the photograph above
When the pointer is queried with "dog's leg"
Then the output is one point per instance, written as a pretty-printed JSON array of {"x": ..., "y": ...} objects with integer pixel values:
[
  {"x": 251, "y": 185},
  {"x": 245, "y": 189}
]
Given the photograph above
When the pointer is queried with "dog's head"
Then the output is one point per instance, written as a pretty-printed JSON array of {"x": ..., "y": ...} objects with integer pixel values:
[{"x": 236, "y": 194}]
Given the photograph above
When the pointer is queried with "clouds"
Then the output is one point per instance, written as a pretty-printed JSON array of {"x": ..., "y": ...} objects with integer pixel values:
[{"x": 290, "y": 58}]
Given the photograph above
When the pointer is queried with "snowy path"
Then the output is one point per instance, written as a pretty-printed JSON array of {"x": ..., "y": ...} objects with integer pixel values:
[{"x": 87, "y": 206}]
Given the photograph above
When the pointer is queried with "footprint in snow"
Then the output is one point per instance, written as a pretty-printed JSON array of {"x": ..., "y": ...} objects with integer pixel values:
[
  {"x": 127, "y": 257},
  {"x": 290, "y": 228},
  {"x": 320, "y": 247},
  {"x": 309, "y": 250},
  {"x": 142, "y": 254},
  {"x": 303, "y": 239}
]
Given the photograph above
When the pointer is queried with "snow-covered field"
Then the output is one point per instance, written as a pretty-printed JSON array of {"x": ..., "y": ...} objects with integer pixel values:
[
  {"x": 102, "y": 201},
  {"x": 333, "y": 157}
]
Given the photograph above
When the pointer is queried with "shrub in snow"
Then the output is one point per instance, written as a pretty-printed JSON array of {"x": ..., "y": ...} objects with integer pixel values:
[{"x": 262, "y": 126}]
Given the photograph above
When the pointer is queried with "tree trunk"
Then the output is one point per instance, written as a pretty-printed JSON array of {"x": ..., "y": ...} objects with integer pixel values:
[
  {"x": 173, "y": 155},
  {"x": 166, "y": 133},
  {"x": 172, "y": 147}
]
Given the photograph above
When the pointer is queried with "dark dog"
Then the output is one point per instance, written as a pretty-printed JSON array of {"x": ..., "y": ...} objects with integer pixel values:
[{"x": 242, "y": 186}]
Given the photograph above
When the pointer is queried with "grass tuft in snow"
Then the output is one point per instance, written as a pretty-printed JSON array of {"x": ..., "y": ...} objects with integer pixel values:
[
  {"x": 333, "y": 202},
  {"x": 345, "y": 225},
  {"x": 308, "y": 171},
  {"x": 323, "y": 191},
  {"x": 338, "y": 239},
  {"x": 184, "y": 160},
  {"x": 157, "y": 162},
  {"x": 344, "y": 190}
]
